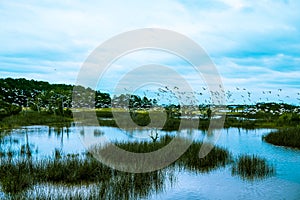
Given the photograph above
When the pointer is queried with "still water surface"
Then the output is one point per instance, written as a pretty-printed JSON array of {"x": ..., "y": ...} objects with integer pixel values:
[{"x": 218, "y": 184}]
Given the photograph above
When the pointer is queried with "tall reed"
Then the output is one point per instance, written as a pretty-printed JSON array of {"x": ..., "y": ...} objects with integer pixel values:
[{"x": 252, "y": 167}]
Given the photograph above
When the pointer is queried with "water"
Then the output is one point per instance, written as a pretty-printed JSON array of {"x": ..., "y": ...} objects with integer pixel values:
[{"x": 218, "y": 184}]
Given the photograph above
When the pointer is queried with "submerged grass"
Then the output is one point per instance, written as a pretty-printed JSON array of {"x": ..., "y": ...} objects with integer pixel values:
[
  {"x": 289, "y": 137},
  {"x": 252, "y": 167}
]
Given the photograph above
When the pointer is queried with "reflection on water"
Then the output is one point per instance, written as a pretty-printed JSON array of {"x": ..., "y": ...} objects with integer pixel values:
[
  {"x": 42, "y": 141},
  {"x": 247, "y": 142}
]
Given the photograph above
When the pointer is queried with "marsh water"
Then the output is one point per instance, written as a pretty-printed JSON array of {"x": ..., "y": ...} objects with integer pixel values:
[{"x": 216, "y": 184}]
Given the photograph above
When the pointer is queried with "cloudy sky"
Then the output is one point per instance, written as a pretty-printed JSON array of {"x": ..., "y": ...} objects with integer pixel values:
[{"x": 254, "y": 44}]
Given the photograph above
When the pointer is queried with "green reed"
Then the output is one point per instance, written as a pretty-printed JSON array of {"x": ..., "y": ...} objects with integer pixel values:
[
  {"x": 252, "y": 167},
  {"x": 289, "y": 137}
]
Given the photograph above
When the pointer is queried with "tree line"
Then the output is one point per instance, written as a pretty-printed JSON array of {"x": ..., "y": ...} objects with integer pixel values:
[
  {"x": 19, "y": 94},
  {"x": 22, "y": 94}
]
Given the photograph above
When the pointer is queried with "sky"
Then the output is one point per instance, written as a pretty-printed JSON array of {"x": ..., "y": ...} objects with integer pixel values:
[{"x": 254, "y": 44}]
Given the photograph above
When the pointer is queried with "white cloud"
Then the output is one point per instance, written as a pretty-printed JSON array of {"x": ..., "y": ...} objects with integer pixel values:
[{"x": 248, "y": 40}]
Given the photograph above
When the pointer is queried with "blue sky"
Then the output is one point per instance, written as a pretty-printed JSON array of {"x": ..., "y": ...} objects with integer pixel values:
[{"x": 254, "y": 44}]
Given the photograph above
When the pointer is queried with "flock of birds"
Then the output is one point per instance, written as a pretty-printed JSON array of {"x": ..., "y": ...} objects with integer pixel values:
[
  {"x": 168, "y": 95},
  {"x": 250, "y": 102}
]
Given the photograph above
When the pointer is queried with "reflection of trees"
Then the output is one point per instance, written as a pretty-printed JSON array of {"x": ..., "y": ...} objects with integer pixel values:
[
  {"x": 12, "y": 146},
  {"x": 59, "y": 133},
  {"x": 25, "y": 149}
]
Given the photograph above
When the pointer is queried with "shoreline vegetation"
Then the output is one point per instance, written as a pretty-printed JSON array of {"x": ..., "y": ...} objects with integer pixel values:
[
  {"x": 22, "y": 173},
  {"x": 46, "y": 103},
  {"x": 19, "y": 176},
  {"x": 287, "y": 137},
  {"x": 29, "y": 102},
  {"x": 141, "y": 118},
  {"x": 29, "y": 117}
]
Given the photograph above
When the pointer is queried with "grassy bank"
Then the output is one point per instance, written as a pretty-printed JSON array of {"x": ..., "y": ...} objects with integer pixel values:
[
  {"x": 105, "y": 118},
  {"x": 141, "y": 118},
  {"x": 33, "y": 118},
  {"x": 289, "y": 137}
]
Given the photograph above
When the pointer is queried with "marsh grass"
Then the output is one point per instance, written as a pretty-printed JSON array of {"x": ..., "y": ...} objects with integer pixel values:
[
  {"x": 118, "y": 188},
  {"x": 70, "y": 169},
  {"x": 61, "y": 192},
  {"x": 19, "y": 176},
  {"x": 45, "y": 178},
  {"x": 141, "y": 118},
  {"x": 252, "y": 167},
  {"x": 144, "y": 146},
  {"x": 33, "y": 118},
  {"x": 217, "y": 157},
  {"x": 289, "y": 137},
  {"x": 172, "y": 124},
  {"x": 15, "y": 176}
]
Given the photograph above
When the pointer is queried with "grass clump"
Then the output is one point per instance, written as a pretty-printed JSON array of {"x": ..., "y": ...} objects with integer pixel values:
[
  {"x": 289, "y": 137},
  {"x": 15, "y": 176},
  {"x": 252, "y": 167},
  {"x": 217, "y": 157},
  {"x": 71, "y": 169},
  {"x": 190, "y": 160},
  {"x": 145, "y": 146},
  {"x": 18, "y": 176}
]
